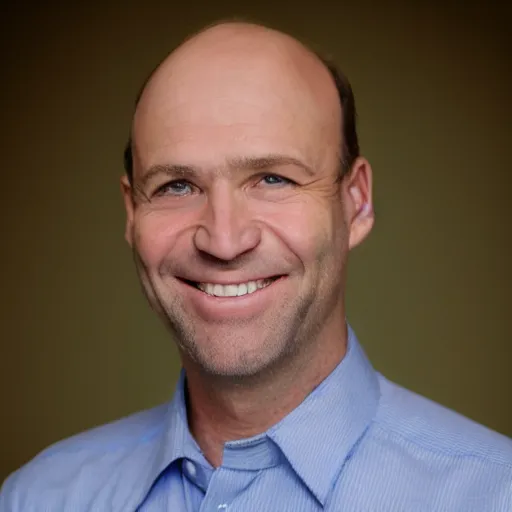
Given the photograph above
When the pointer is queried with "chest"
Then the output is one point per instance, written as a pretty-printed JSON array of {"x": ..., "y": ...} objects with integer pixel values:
[{"x": 279, "y": 489}]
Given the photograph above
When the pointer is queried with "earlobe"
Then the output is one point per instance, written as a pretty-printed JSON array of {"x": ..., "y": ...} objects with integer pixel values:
[{"x": 361, "y": 228}]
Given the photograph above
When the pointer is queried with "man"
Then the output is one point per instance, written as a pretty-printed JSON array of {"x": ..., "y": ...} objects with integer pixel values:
[{"x": 244, "y": 193}]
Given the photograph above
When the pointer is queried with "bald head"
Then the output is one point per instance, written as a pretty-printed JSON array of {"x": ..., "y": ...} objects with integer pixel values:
[
  {"x": 242, "y": 74},
  {"x": 231, "y": 56}
]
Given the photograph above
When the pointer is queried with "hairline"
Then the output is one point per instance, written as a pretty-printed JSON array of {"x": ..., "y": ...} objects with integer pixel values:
[{"x": 340, "y": 82}]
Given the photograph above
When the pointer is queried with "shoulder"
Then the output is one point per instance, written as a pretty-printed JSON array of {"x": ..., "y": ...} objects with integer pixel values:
[
  {"x": 429, "y": 425},
  {"x": 82, "y": 462},
  {"x": 450, "y": 457},
  {"x": 437, "y": 456}
]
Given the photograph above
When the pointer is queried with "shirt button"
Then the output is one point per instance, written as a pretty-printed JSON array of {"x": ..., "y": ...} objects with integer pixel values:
[
  {"x": 190, "y": 468},
  {"x": 222, "y": 506}
]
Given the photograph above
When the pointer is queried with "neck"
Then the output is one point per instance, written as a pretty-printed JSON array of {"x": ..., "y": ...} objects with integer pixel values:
[{"x": 221, "y": 412}]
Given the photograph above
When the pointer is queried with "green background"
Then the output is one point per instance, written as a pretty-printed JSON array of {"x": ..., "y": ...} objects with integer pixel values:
[{"x": 428, "y": 292}]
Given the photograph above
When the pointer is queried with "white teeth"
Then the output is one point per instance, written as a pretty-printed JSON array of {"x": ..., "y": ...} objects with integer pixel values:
[
  {"x": 233, "y": 290},
  {"x": 242, "y": 289}
]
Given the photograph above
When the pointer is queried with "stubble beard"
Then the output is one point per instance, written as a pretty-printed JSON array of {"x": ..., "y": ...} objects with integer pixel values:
[
  {"x": 239, "y": 350},
  {"x": 236, "y": 358}
]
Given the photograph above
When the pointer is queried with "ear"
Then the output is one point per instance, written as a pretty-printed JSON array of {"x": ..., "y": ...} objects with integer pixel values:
[
  {"x": 126, "y": 190},
  {"x": 359, "y": 202}
]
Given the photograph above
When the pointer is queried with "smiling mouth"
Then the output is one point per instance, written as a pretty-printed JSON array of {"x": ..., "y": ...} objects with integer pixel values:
[{"x": 232, "y": 290}]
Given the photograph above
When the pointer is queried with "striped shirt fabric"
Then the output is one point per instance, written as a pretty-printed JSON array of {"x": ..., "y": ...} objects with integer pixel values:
[{"x": 357, "y": 443}]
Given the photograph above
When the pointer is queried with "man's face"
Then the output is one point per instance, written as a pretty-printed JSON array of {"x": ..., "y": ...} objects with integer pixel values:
[{"x": 239, "y": 228}]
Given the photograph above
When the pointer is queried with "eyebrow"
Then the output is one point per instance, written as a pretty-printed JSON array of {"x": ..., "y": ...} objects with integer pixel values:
[
  {"x": 238, "y": 163},
  {"x": 267, "y": 162},
  {"x": 174, "y": 171}
]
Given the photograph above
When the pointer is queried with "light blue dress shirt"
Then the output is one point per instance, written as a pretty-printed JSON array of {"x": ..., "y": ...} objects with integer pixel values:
[{"x": 357, "y": 443}]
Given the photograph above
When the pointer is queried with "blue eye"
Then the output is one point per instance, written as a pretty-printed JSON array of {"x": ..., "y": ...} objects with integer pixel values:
[
  {"x": 274, "y": 179},
  {"x": 175, "y": 188}
]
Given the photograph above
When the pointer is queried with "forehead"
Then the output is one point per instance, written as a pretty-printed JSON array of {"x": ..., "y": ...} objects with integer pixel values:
[{"x": 207, "y": 107}]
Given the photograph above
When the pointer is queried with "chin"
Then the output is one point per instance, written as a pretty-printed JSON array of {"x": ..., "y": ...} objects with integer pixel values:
[
  {"x": 234, "y": 366},
  {"x": 234, "y": 358},
  {"x": 243, "y": 348}
]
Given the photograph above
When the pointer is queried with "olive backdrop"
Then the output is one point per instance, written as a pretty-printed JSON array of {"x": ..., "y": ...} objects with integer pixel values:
[{"x": 428, "y": 292}]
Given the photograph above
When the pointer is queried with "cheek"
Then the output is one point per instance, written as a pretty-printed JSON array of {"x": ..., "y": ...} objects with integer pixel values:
[
  {"x": 306, "y": 229},
  {"x": 155, "y": 235}
]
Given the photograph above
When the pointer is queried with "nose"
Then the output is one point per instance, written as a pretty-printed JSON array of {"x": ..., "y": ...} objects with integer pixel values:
[{"x": 226, "y": 229}]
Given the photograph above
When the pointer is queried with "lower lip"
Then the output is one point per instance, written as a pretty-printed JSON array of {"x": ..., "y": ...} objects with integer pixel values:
[{"x": 211, "y": 307}]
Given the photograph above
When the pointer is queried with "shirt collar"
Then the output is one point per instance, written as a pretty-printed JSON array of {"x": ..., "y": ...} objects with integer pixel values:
[
  {"x": 177, "y": 441},
  {"x": 170, "y": 442},
  {"x": 319, "y": 435},
  {"x": 316, "y": 438}
]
